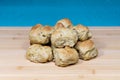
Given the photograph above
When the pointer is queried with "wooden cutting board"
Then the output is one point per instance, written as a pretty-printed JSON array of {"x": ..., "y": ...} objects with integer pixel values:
[{"x": 14, "y": 66}]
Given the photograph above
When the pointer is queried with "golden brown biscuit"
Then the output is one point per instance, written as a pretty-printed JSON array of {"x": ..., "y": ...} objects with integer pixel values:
[
  {"x": 83, "y": 32},
  {"x": 87, "y": 49},
  {"x": 65, "y": 56},
  {"x": 63, "y": 22},
  {"x": 38, "y": 53},
  {"x": 64, "y": 37},
  {"x": 40, "y": 34}
]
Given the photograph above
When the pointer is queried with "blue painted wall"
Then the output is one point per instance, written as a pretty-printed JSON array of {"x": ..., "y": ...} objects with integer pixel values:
[{"x": 87, "y": 12}]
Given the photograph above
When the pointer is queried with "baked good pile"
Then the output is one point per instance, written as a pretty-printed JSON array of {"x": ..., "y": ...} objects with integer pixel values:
[{"x": 63, "y": 44}]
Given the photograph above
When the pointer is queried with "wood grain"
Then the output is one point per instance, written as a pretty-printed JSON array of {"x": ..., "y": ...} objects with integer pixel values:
[{"x": 14, "y": 66}]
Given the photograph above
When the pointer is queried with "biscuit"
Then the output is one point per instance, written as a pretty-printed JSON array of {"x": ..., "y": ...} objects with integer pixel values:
[
  {"x": 64, "y": 22},
  {"x": 40, "y": 34},
  {"x": 86, "y": 49},
  {"x": 64, "y": 37},
  {"x": 65, "y": 56},
  {"x": 39, "y": 54},
  {"x": 83, "y": 32}
]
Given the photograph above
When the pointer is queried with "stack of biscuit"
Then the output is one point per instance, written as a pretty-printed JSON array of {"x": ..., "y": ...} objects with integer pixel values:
[{"x": 64, "y": 44}]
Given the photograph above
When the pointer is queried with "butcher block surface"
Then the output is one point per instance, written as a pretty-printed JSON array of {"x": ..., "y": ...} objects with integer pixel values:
[{"x": 14, "y": 66}]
